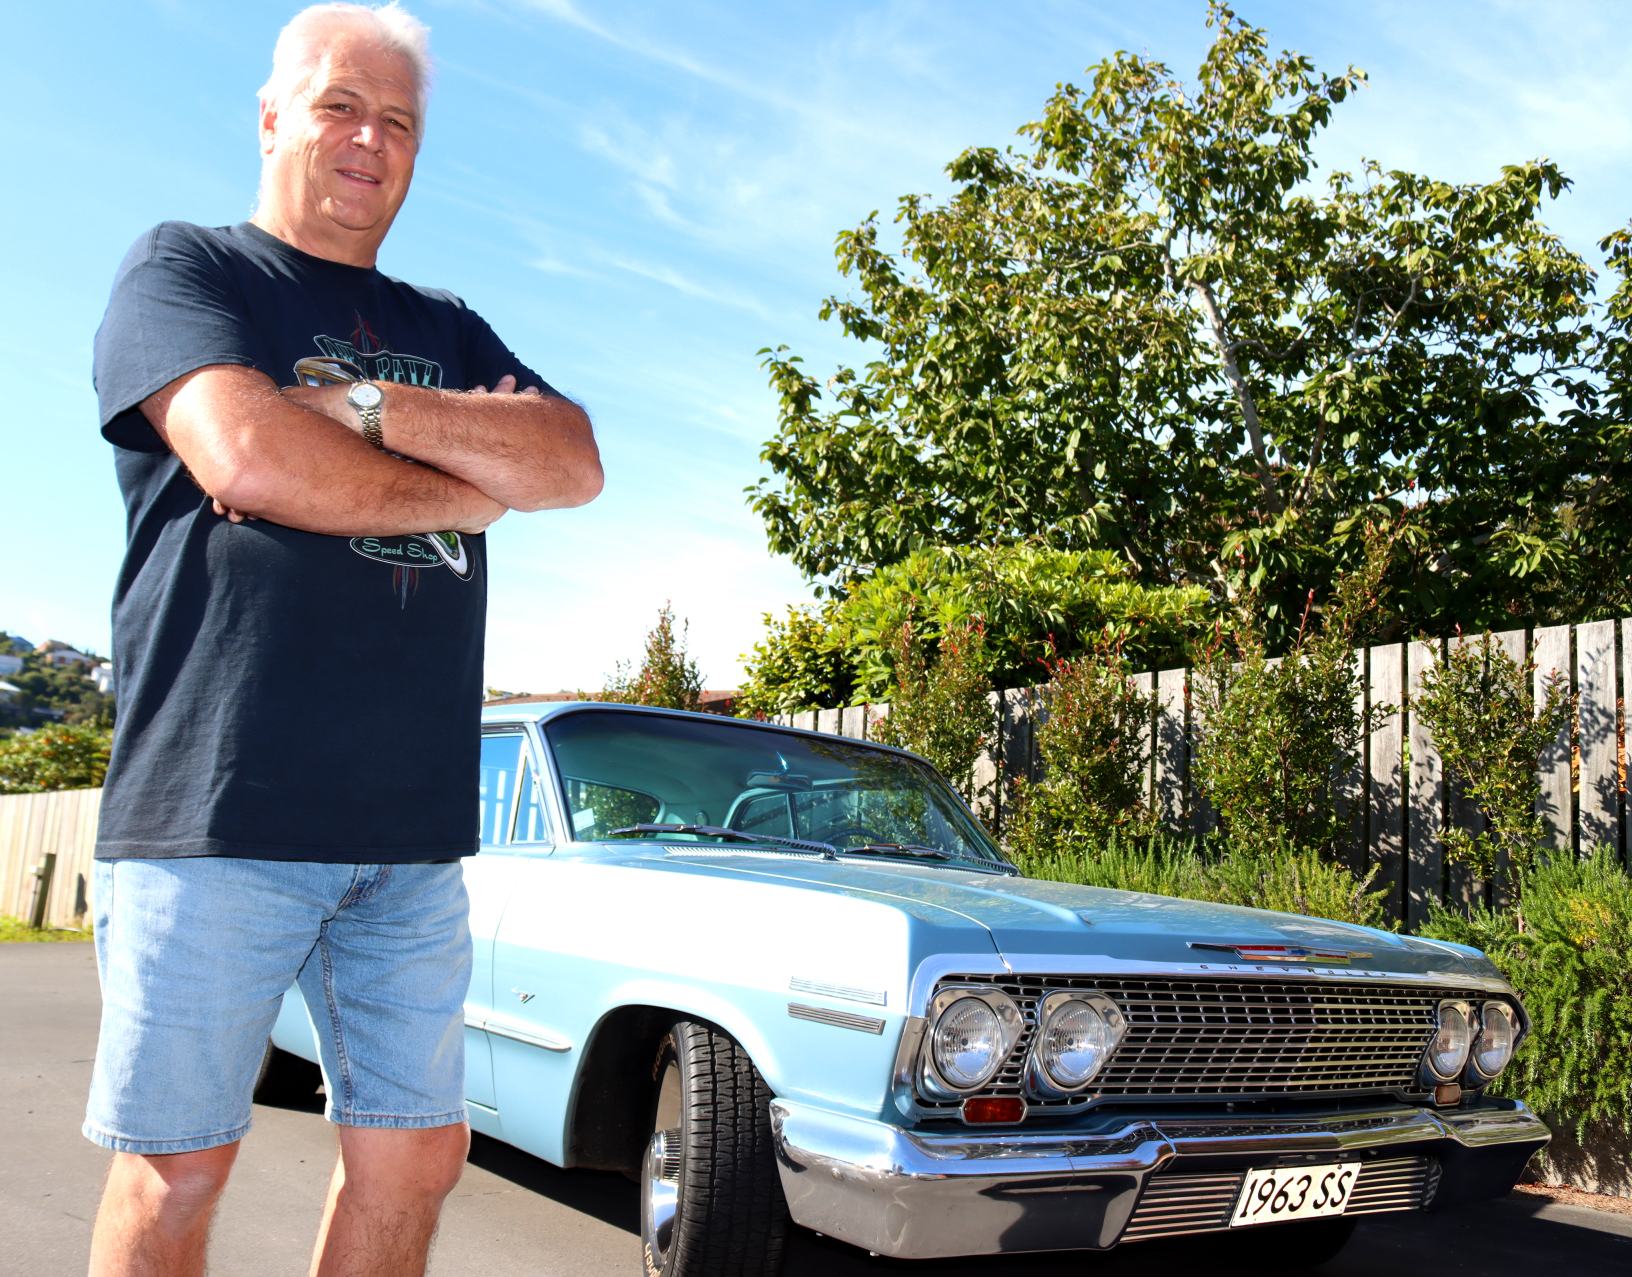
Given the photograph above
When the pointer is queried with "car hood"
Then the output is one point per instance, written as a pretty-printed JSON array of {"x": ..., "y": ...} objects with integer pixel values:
[{"x": 1029, "y": 917}]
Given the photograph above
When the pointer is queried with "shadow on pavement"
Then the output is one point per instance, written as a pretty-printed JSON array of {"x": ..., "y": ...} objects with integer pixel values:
[{"x": 603, "y": 1195}]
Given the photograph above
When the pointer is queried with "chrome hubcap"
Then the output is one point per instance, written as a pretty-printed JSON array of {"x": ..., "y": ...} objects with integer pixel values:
[{"x": 662, "y": 1183}]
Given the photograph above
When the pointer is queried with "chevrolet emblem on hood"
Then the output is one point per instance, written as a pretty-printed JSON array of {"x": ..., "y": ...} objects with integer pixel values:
[{"x": 1280, "y": 952}]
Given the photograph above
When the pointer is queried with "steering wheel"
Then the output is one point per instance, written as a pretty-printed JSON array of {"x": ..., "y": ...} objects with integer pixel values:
[{"x": 857, "y": 835}]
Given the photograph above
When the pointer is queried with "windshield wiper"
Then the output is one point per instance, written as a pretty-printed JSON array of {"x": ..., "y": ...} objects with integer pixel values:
[
  {"x": 913, "y": 851},
  {"x": 732, "y": 835}
]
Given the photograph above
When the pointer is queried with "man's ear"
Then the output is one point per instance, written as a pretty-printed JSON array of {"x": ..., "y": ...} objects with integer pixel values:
[{"x": 268, "y": 126}]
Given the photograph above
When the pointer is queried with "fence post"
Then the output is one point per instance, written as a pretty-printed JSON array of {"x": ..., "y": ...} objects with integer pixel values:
[
  {"x": 1599, "y": 798},
  {"x": 1553, "y": 771},
  {"x": 44, "y": 872},
  {"x": 1425, "y": 869},
  {"x": 1626, "y": 723},
  {"x": 1383, "y": 778},
  {"x": 1203, "y": 817},
  {"x": 1170, "y": 766},
  {"x": 1350, "y": 798}
]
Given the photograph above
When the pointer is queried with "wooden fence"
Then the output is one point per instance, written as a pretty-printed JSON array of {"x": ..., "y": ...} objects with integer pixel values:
[
  {"x": 1396, "y": 801},
  {"x": 31, "y": 825}
]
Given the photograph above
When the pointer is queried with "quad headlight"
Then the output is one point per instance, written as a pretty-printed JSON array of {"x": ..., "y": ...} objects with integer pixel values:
[
  {"x": 1077, "y": 1030},
  {"x": 1453, "y": 1036},
  {"x": 1497, "y": 1034},
  {"x": 972, "y": 1030}
]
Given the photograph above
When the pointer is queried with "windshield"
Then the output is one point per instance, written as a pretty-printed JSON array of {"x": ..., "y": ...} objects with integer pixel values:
[{"x": 623, "y": 769}]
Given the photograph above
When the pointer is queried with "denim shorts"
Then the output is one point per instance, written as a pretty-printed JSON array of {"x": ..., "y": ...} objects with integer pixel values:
[{"x": 196, "y": 954}]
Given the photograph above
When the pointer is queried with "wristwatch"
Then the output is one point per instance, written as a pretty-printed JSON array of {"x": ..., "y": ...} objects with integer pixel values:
[{"x": 366, "y": 397}]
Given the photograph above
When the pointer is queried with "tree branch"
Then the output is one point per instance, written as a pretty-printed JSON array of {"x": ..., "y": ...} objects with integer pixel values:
[{"x": 1243, "y": 392}]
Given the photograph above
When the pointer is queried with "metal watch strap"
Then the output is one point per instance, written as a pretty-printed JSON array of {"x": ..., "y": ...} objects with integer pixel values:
[{"x": 371, "y": 426}]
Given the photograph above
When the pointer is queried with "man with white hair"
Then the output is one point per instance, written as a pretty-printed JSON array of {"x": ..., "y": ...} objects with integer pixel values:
[{"x": 298, "y": 632}]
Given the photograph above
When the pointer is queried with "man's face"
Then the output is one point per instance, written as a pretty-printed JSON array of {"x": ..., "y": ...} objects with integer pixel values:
[{"x": 340, "y": 151}]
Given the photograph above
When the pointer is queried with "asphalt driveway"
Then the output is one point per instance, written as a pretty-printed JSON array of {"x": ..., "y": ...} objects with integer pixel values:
[{"x": 515, "y": 1216}]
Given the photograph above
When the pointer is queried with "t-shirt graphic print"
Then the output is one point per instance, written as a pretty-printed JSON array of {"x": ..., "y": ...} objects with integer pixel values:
[
  {"x": 285, "y": 695},
  {"x": 363, "y": 358}
]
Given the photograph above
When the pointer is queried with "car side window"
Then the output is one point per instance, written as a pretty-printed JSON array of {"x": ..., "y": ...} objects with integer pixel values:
[
  {"x": 532, "y": 822},
  {"x": 500, "y": 776}
]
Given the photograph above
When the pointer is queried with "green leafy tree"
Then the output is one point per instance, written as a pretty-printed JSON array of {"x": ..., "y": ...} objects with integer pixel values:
[
  {"x": 1491, "y": 733},
  {"x": 1275, "y": 738},
  {"x": 1093, "y": 729},
  {"x": 61, "y": 756},
  {"x": 940, "y": 709},
  {"x": 667, "y": 676},
  {"x": 1151, "y": 333}
]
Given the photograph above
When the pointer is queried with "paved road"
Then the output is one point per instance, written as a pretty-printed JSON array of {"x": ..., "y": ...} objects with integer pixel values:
[{"x": 515, "y": 1216}]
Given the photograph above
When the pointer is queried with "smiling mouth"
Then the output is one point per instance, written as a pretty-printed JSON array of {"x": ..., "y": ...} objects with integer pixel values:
[{"x": 358, "y": 177}]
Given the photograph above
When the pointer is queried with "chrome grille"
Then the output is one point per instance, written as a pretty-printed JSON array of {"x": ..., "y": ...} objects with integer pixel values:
[
  {"x": 1239, "y": 1037},
  {"x": 1407, "y": 1183},
  {"x": 1173, "y": 1205},
  {"x": 1176, "y": 1204}
]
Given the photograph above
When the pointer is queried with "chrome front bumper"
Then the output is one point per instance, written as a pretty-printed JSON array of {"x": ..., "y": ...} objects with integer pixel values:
[{"x": 917, "y": 1195}]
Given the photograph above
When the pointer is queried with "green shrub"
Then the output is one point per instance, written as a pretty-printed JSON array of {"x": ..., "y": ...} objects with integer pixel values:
[
  {"x": 1093, "y": 733},
  {"x": 1274, "y": 739},
  {"x": 1035, "y": 604},
  {"x": 1278, "y": 877},
  {"x": 941, "y": 710},
  {"x": 62, "y": 756},
  {"x": 667, "y": 676},
  {"x": 1567, "y": 949},
  {"x": 798, "y": 665},
  {"x": 1478, "y": 704}
]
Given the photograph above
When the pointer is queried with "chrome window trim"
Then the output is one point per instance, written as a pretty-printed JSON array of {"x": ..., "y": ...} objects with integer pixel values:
[{"x": 1010, "y": 1022}]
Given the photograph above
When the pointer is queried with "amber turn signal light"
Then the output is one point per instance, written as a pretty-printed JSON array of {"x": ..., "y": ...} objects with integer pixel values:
[
  {"x": 982, "y": 1110},
  {"x": 1449, "y": 1093}
]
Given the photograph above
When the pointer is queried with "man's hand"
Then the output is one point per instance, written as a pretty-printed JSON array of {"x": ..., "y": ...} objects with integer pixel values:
[
  {"x": 526, "y": 450},
  {"x": 259, "y": 454}
]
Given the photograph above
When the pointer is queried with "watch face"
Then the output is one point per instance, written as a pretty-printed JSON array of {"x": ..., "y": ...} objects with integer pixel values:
[{"x": 367, "y": 395}]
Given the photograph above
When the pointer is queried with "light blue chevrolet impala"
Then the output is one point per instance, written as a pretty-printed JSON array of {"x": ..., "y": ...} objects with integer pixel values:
[{"x": 776, "y": 975}]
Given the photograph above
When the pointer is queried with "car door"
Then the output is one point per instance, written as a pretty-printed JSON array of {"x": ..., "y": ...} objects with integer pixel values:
[{"x": 514, "y": 824}]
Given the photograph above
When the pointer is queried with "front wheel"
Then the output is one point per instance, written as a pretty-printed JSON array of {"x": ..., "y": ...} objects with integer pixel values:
[{"x": 711, "y": 1201}]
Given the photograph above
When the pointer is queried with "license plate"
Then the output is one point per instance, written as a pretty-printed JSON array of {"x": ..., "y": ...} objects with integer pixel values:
[{"x": 1294, "y": 1192}]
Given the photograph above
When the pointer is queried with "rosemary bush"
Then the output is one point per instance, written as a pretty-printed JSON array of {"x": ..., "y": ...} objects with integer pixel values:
[
  {"x": 1280, "y": 877},
  {"x": 1568, "y": 951}
]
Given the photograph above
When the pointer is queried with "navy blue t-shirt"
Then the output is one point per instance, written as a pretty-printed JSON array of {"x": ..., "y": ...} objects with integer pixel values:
[{"x": 285, "y": 695}]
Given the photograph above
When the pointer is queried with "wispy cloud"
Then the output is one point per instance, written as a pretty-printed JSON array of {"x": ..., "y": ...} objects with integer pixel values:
[{"x": 672, "y": 278}]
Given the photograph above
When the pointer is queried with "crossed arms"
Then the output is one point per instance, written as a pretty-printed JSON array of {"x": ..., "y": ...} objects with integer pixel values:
[{"x": 297, "y": 457}]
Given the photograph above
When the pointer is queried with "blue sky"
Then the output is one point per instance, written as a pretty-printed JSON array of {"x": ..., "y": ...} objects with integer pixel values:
[{"x": 639, "y": 197}]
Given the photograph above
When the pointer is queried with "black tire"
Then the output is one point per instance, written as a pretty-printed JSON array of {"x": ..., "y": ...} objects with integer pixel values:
[
  {"x": 711, "y": 1201},
  {"x": 285, "y": 1079},
  {"x": 1290, "y": 1248}
]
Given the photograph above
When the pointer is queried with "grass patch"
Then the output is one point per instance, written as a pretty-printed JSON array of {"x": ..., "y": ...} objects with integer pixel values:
[{"x": 15, "y": 930}]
